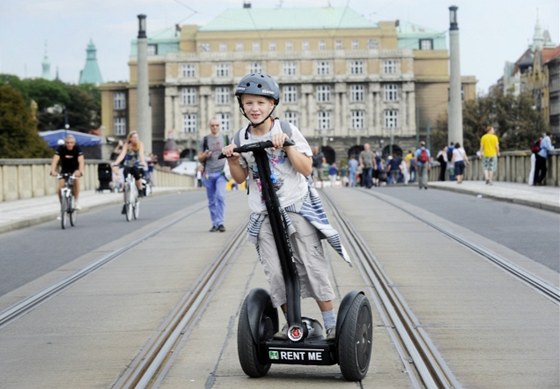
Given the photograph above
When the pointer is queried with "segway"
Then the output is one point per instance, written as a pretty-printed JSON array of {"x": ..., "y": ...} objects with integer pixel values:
[{"x": 258, "y": 320}]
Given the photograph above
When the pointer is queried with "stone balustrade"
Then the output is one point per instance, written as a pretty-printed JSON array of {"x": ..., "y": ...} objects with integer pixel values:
[{"x": 27, "y": 178}]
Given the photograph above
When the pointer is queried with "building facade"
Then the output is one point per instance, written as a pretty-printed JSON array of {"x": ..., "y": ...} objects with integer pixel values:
[{"x": 344, "y": 80}]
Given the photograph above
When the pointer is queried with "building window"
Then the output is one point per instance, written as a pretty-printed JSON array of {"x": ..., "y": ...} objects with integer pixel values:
[
  {"x": 289, "y": 68},
  {"x": 357, "y": 92},
  {"x": 222, "y": 70},
  {"x": 120, "y": 126},
  {"x": 190, "y": 124},
  {"x": 205, "y": 47},
  {"x": 373, "y": 44},
  {"x": 305, "y": 45},
  {"x": 338, "y": 44},
  {"x": 223, "y": 95},
  {"x": 355, "y": 44},
  {"x": 272, "y": 46},
  {"x": 322, "y": 45},
  {"x": 239, "y": 46},
  {"x": 357, "y": 119},
  {"x": 222, "y": 47},
  {"x": 188, "y": 70},
  {"x": 256, "y": 47},
  {"x": 119, "y": 100},
  {"x": 391, "y": 118},
  {"x": 256, "y": 67},
  {"x": 391, "y": 92},
  {"x": 292, "y": 117},
  {"x": 152, "y": 50},
  {"x": 225, "y": 122},
  {"x": 289, "y": 46},
  {"x": 357, "y": 67},
  {"x": 289, "y": 94},
  {"x": 324, "y": 120},
  {"x": 188, "y": 96},
  {"x": 426, "y": 44},
  {"x": 323, "y": 68},
  {"x": 390, "y": 66},
  {"x": 323, "y": 93}
]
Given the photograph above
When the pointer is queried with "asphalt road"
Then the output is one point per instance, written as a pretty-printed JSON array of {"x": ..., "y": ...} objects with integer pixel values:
[
  {"x": 31, "y": 252},
  {"x": 529, "y": 231}
]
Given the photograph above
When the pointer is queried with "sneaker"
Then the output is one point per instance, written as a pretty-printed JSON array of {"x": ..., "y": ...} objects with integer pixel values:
[
  {"x": 283, "y": 333},
  {"x": 221, "y": 228},
  {"x": 331, "y": 333},
  {"x": 213, "y": 229}
]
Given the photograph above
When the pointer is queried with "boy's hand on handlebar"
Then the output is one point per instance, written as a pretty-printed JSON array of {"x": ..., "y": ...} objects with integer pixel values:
[{"x": 279, "y": 139}]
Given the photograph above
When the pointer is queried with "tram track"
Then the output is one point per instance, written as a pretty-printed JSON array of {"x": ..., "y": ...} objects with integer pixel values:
[
  {"x": 25, "y": 305},
  {"x": 424, "y": 364},
  {"x": 536, "y": 283},
  {"x": 149, "y": 366}
]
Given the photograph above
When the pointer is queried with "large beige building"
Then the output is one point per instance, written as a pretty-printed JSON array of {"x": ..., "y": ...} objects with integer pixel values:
[{"x": 344, "y": 79}]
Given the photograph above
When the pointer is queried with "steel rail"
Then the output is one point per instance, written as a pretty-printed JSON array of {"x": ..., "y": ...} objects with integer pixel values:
[
  {"x": 428, "y": 367},
  {"x": 20, "y": 308}
]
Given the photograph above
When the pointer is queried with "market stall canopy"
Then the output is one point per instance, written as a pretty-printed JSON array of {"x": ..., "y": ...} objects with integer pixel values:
[{"x": 82, "y": 139}]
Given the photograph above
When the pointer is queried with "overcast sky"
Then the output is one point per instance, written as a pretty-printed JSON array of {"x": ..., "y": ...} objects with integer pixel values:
[{"x": 491, "y": 32}]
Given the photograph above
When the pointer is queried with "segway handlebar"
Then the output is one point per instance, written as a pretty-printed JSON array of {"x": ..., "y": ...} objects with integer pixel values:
[{"x": 257, "y": 146}]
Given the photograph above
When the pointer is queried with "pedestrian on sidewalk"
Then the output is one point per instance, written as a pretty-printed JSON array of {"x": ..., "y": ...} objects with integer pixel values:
[
  {"x": 422, "y": 156},
  {"x": 541, "y": 159},
  {"x": 441, "y": 157},
  {"x": 258, "y": 95},
  {"x": 367, "y": 163},
  {"x": 489, "y": 152},
  {"x": 71, "y": 160},
  {"x": 460, "y": 161},
  {"x": 213, "y": 175}
]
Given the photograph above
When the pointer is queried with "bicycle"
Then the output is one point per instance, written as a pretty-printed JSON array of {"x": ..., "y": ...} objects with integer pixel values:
[
  {"x": 131, "y": 203},
  {"x": 67, "y": 201}
]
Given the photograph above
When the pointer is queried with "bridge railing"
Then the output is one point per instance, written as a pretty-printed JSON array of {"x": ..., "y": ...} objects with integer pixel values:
[
  {"x": 513, "y": 166},
  {"x": 27, "y": 178}
]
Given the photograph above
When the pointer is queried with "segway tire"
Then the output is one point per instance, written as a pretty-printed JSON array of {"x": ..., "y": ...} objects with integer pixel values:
[
  {"x": 247, "y": 349},
  {"x": 355, "y": 340}
]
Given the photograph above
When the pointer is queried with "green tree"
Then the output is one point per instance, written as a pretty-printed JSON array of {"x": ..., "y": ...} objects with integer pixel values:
[
  {"x": 516, "y": 121},
  {"x": 18, "y": 136}
]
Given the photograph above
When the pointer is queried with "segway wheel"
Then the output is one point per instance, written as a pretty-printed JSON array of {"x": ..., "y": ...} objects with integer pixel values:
[
  {"x": 251, "y": 359},
  {"x": 355, "y": 340}
]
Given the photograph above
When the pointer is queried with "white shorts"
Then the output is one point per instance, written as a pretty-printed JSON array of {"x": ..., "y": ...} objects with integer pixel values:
[{"x": 311, "y": 264}]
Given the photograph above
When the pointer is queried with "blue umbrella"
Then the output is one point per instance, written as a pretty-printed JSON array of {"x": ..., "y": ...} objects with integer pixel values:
[{"x": 82, "y": 139}]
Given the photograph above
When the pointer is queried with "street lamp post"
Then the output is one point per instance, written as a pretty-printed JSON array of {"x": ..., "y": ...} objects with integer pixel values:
[{"x": 455, "y": 115}]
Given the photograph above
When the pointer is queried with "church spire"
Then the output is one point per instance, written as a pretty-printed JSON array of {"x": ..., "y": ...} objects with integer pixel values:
[
  {"x": 91, "y": 73},
  {"x": 46, "y": 65}
]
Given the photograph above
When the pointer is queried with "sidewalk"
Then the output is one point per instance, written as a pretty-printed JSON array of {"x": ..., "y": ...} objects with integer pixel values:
[
  {"x": 24, "y": 213},
  {"x": 544, "y": 197}
]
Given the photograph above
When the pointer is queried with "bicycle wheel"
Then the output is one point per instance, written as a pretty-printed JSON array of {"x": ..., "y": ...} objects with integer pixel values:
[
  {"x": 63, "y": 214},
  {"x": 136, "y": 209},
  {"x": 72, "y": 213}
]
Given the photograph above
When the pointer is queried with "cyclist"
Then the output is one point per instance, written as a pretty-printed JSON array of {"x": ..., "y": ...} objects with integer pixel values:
[
  {"x": 71, "y": 160},
  {"x": 132, "y": 157}
]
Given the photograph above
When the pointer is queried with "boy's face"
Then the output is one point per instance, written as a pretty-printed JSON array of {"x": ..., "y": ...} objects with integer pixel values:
[{"x": 256, "y": 107}]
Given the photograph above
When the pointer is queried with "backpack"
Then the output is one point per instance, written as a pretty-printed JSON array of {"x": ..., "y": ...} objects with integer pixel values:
[
  {"x": 450, "y": 153},
  {"x": 536, "y": 147},
  {"x": 423, "y": 157}
]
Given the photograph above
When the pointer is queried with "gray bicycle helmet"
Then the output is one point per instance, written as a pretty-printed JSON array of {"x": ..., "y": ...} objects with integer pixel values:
[{"x": 259, "y": 85}]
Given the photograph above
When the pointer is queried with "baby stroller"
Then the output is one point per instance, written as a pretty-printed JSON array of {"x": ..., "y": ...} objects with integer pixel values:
[{"x": 105, "y": 176}]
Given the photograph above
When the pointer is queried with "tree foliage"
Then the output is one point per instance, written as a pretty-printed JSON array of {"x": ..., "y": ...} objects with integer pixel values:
[
  {"x": 514, "y": 118},
  {"x": 59, "y": 103},
  {"x": 18, "y": 134}
]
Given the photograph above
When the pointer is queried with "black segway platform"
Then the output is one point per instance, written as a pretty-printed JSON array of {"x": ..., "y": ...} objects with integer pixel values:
[{"x": 258, "y": 320}]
